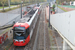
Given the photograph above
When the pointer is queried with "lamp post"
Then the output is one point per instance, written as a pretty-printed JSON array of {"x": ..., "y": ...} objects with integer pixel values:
[
  {"x": 21, "y": 8},
  {"x": 49, "y": 14}
]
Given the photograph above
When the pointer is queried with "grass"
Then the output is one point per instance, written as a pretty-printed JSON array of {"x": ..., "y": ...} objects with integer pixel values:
[
  {"x": 51, "y": 42},
  {"x": 68, "y": 6},
  {"x": 51, "y": 38},
  {"x": 6, "y": 6},
  {"x": 13, "y": 5},
  {"x": 41, "y": 3},
  {"x": 9, "y": 9},
  {"x": 5, "y": 30},
  {"x": 62, "y": 9},
  {"x": 2, "y": 7}
]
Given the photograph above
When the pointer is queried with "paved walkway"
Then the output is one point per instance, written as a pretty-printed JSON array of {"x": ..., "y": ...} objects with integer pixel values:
[{"x": 58, "y": 10}]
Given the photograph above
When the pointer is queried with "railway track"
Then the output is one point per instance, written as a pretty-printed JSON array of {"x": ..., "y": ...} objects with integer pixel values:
[
  {"x": 43, "y": 39},
  {"x": 19, "y": 47},
  {"x": 16, "y": 48},
  {"x": 41, "y": 31},
  {"x": 42, "y": 34}
]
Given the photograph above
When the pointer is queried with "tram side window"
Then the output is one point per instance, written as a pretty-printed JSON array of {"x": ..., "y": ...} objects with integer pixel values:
[{"x": 27, "y": 33}]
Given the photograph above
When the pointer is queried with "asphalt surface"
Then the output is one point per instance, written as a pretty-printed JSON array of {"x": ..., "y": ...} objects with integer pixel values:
[
  {"x": 6, "y": 19},
  {"x": 18, "y": 11},
  {"x": 58, "y": 10}
]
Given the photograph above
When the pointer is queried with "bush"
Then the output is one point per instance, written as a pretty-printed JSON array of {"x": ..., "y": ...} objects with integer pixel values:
[
  {"x": 6, "y": 4},
  {"x": 53, "y": 9},
  {"x": 14, "y": 3}
]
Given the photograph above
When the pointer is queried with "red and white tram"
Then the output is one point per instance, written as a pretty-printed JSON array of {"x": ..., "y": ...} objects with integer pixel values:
[{"x": 23, "y": 29}]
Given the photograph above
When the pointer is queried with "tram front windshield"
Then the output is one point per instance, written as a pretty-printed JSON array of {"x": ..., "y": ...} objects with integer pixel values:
[{"x": 19, "y": 33}]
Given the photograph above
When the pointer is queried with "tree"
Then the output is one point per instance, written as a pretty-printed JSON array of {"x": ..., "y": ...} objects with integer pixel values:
[{"x": 3, "y": 2}]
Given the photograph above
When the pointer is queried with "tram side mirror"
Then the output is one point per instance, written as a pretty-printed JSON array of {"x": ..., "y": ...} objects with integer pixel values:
[
  {"x": 12, "y": 29},
  {"x": 13, "y": 22}
]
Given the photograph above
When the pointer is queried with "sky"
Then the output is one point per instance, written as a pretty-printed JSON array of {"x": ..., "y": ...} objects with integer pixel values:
[
  {"x": 54, "y": 0},
  {"x": 51, "y": 0}
]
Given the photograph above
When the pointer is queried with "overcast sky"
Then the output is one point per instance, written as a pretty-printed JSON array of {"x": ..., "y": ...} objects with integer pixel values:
[{"x": 50, "y": 0}]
